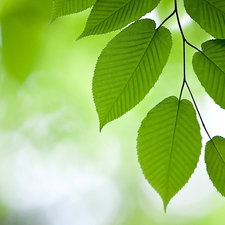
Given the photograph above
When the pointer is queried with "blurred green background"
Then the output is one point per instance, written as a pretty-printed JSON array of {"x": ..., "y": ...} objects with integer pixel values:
[{"x": 56, "y": 168}]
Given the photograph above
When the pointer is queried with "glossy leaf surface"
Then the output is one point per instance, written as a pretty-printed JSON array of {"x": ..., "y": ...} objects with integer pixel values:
[
  {"x": 128, "y": 68},
  {"x": 210, "y": 69},
  {"x": 112, "y": 15},
  {"x": 209, "y": 14},
  {"x": 169, "y": 146},
  {"x": 215, "y": 162}
]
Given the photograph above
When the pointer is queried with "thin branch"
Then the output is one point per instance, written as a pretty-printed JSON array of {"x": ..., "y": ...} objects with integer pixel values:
[
  {"x": 184, "y": 50},
  {"x": 181, "y": 30},
  {"x": 167, "y": 18},
  {"x": 184, "y": 70}
]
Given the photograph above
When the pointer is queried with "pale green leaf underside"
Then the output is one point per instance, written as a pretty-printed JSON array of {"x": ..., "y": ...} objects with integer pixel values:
[
  {"x": 210, "y": 69},
  {"x": 65, "y": 7},
  {"x": 169, "y": 146},
  {"x": 215, "y": 162},
  {"x": 128, "y": 68},
  {"x": 209, "y": 14},
  {"x": 112, "y": 15}
]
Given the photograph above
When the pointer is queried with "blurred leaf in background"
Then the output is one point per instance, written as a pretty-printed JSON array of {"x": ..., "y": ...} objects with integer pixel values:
[{"x": 22, "y": 22}]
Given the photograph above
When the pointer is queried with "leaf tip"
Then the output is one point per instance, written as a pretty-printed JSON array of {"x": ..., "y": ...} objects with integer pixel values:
[
  {"x": 51, "y": 20},
  {"x": 100, "y": 129},
  {"x": 79, "y": 37},
  {"x": 165, "y": 204},
  {"x": 101, "y": 126},
  {"x": 84, "y": 34},
  {"x": 53, "y": 16}
]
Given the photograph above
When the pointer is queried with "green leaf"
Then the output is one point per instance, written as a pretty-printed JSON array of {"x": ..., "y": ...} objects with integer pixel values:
[
  {"x": 169, "y": 146},
  {"x": 65, "y": 7},
  {"x": 22, "y": 24},
  {"x": 210, "y": 68},
  {"x": 215, "y": 162},
  {"x": 128, "y": 68},
  {"x": 112, "y": 15},
  {"x": 209, "y": 14}
]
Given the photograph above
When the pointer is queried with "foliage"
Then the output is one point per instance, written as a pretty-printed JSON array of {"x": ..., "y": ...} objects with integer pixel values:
[
  {"x": 21, "y": 39},
  {"x": 169, "y": 139}
]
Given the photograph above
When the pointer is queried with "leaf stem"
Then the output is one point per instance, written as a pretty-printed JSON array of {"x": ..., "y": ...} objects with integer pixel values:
[{"x": 196, "y": 107}]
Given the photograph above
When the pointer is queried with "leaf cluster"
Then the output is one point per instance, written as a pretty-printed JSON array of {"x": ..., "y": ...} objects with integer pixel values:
[{"x": 169, "y": 139}]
